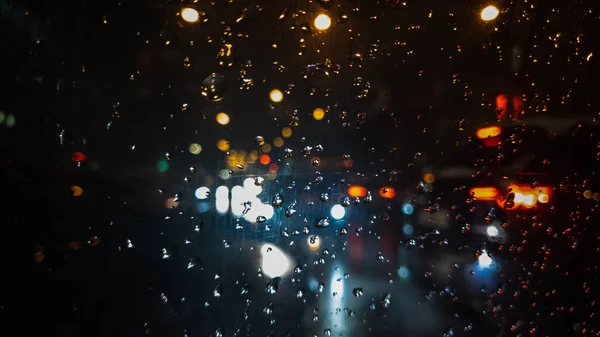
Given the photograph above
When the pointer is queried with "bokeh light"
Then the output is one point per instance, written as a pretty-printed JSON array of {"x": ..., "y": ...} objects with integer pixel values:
[
  {"x": 222, "y": 118},
  {"x": 275, "y": 263},
  {"x": 202, "y": 193},
  {"x": 338, "y": 212},
  {"x": 189, "y": 14},
  {"x": 278, "y": 142},
  {"x": 489, "y": 13},
  {"x": 322, "y": 22},
  {"x": 276, "y": 96},
  {"x": 318, "y": 114},
  {"x": 76, "y": 191},
  {"x": 195, "y": 148},
  {"x": 286, "y": 132},
  {"x": 223, "y": 145},
  {"x": 265, "y": 159}
]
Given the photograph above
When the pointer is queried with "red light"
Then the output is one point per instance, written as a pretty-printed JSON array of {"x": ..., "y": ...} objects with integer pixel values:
[
  {"x": 78, "y": 157},
  {"x": 501, "y": 106},
  {"x": 265, "y": 159},
  {"x": 517, "y": 105},
  {"x": 357, "y": 191},
  {"x": 273, "y": 168},
  {"x": 387, "y": 192}
]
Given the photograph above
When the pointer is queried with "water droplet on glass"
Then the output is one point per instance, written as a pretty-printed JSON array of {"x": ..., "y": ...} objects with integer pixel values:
[
  {"x": 273, "y": 285},
  {"x": 261, "y": 219},
  {"x": 277, "y": 201},
  {"x": 386, "y": 301},
  {"x": 322, "y": 223},
  {"x": 324, "y": 197},
  {"x": 218, "y": 290},
  {"x": 320, "y": 287},
  {"x": 300, "y": 292},
  {"x": 346, "y": 201},
  {"x": 290, "y": 210},
  {"x": 213, "y": 87},
  {"x": 357, "y": 292}
]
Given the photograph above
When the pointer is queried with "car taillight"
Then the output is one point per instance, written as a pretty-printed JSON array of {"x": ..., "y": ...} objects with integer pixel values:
[
  {"x": 484, "y": 193},
  {"x": 525, "y": 196},
  {"x": 488, "y": 132}
]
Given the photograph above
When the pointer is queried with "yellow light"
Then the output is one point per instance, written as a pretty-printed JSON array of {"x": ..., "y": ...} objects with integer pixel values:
[
  {"x": 587, "y": 194},
  {"x": 489, "y": 13},
  {"x": 223, "y": 145},
  {"x": 278, "y": 142},
  {"x": 318, "y": 114},
  {"x": 286, "y": 132},
  {"x": 314, "y": 243},
  {"x": 222, "y": 118},
  {"x": 190, "y": 15},
  {"x": 195, "y": 148},
  {"x": 322, "y": 22},
  {"x": 488, "y": 132},
  {"x": 276, "y": 96}
]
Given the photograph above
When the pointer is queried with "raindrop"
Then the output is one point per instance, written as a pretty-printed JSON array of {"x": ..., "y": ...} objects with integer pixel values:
[
  {"x": 357, "y": 292},
  {"x": 218, "y": 290},
  {"x": 213, "y": 87},
  {"x": 290, "y": 210},
  {"x": 322, "y": 223},
  {"x": 261, "y": 219},
  {"x": 273, "y": 285},
  {"x": 277, "y": 201},
  {"x": 300, "y": 292},
  {"x": 386, "y": 301}
]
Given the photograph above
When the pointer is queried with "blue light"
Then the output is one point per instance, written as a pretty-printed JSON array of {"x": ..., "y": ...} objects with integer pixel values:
[
  {"x": 407, "y": 209},
  {"x": 407, "y": 229}
]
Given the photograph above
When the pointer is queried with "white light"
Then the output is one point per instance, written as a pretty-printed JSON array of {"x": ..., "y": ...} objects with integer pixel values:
[
  {"x": 237, "y": 200},
  {"x": 202, "y": 192},
  {"x": 338, "y": 212},
  {"x": 222, "y": 199},
  {"x": 222, "y": 191},
  {"x": 250, "y": 186},
  {"x": 485, "y": 260},
  {"x": 492, "y": 231},
  {"x": 275, "y": 262}
]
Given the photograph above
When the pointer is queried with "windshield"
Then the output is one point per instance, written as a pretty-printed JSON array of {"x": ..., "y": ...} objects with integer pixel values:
[{"x": 301, "y": 168}]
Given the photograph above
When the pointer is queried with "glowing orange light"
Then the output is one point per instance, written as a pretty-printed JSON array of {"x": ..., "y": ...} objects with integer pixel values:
[
  {"x": 527, "y": 197},
  {"x": 357, "y": 191},
  {"x": 76, "y": 190},
  {"x": 428, "y": 178},
  {"x": 222, "y": 118},
  {"x": 78, "y": 157},
  {"x": 488, "y": 132},
  {"x": 501, "y": 105},
  {"x": 387, "y": 192},
  {"x": 484, "y": 193},
  {"x": 265, "y": 159},
  {"x": 286, "y": 132}
]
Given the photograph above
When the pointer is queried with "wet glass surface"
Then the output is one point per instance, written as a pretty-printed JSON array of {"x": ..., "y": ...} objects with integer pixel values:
[{"x": 301, "y": 168}]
